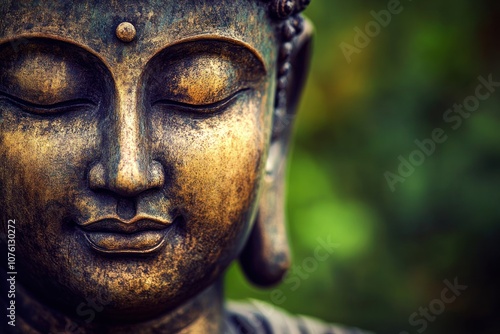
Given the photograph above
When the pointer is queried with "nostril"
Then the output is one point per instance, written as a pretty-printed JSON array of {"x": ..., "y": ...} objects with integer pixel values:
[
  {"x": 128, "y": 181},
  {"x": 97, "y": 177},
  {"x": 156, "y": 175},
  {"x": 125, "y": 208}
]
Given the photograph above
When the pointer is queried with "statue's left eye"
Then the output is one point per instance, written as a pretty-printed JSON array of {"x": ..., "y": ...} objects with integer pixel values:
[
  {"x": 205, "y": 81},
  {"x": 202, "y": 77},
  {"x": 209, "y": 108},
  {"x": 204, "y": 84}
]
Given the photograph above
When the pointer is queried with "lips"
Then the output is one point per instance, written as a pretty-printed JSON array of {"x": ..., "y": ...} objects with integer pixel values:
[{"x": 141, "y": 235}]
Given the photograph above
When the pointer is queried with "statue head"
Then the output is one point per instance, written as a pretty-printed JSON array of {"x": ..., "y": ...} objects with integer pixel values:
[{"x": 143, "y": 145}]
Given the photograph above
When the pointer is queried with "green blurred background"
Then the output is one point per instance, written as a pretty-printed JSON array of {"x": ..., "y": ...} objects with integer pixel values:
[{"x": 395, "y": 248}]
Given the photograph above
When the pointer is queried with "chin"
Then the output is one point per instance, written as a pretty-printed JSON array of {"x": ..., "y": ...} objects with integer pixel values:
[{"x": 121, "y": 290}]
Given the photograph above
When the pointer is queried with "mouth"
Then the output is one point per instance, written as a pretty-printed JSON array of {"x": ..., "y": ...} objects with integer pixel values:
[{"x": 138, "y": 236}]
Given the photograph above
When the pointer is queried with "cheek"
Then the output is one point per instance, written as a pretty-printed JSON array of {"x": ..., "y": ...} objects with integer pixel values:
[
  {"x": 42, "y": 168},
  {"x": 42, "y": 162},
  {"x": 216, "y": 168},
  {"x": 218, "y": 172}
]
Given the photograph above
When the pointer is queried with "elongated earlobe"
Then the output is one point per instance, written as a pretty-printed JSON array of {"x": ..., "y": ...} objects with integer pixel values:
[{"x": 266, "y": 257}]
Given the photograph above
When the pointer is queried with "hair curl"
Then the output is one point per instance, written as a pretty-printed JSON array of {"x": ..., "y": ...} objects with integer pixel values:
[{"x": 290, "y": 26}]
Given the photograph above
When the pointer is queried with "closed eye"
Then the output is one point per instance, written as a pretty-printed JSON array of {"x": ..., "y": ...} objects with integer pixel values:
[
  {"x": 212, "y": 108},
  {"x": 50, "y": 109}
]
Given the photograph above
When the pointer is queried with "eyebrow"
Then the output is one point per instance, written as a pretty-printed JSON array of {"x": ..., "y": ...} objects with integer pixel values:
[
  {"x": 19, "y": 40},
  {"x": 214, "y": 38}
]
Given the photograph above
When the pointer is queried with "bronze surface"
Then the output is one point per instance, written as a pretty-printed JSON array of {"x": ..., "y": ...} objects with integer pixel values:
[{"x": 141, "y": 144}]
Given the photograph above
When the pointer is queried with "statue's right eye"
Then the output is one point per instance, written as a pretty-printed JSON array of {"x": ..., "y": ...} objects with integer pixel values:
[
  {"x": 42, "y": 80},
  {"x": 52, "y": 109}
]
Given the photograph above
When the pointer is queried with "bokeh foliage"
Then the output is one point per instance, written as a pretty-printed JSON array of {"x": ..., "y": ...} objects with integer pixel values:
[{"x": 355, "y": 120}]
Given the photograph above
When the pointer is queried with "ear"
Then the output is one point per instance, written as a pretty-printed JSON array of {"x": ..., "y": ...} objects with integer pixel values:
[{"x": 266, "y": 256}]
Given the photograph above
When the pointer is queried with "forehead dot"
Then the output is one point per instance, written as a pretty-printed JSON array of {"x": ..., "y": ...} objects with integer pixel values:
[{"x": 125, "y": 32}]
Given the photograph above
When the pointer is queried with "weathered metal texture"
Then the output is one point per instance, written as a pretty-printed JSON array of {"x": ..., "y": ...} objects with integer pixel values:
[{"x": 135, "y": 141}]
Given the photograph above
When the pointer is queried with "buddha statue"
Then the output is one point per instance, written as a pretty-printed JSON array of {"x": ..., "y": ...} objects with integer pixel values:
[{"x": 142, "y": 148}]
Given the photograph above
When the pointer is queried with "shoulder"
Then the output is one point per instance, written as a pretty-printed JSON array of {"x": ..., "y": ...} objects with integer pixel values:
[{"x": 256, "y": 317}]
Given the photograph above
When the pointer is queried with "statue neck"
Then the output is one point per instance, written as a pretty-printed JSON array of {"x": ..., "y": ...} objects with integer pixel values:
[{"x": 202, "y": 314}]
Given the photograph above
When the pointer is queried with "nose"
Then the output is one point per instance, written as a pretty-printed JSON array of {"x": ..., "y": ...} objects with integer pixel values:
[
  {"x": 127, "y": 181},
  {"x": 126, "y": 167}
]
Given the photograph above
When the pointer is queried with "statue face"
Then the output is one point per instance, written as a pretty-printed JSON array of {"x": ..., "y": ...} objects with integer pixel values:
[{"x": 132, "y": 169}]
